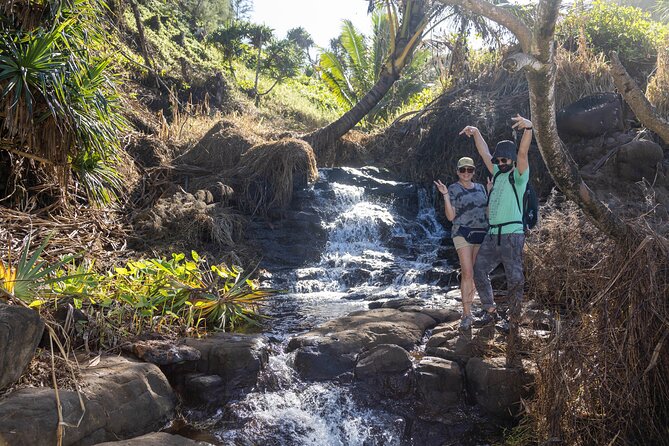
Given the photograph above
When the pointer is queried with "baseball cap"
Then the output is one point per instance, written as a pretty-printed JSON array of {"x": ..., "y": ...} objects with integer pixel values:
[{"x": 466, "y": 161}]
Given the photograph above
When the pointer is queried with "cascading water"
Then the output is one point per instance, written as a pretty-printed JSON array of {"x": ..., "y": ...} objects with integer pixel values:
[{"x": 380, "y": 244}]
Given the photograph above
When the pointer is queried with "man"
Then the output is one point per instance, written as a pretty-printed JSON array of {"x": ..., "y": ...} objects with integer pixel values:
[{"x": 506, "y": 236}]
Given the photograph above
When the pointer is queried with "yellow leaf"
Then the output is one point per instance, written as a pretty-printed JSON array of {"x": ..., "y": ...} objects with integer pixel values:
[{"x": 36, "y": 303}]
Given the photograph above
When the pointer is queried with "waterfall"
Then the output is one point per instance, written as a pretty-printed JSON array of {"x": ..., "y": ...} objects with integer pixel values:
[{"x": 383, "y": 238}]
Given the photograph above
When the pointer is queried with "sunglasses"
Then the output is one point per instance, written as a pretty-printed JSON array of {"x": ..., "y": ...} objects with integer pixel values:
[
  {"x": 466, "y": 169},
  {"x": 503, "y": 160}
]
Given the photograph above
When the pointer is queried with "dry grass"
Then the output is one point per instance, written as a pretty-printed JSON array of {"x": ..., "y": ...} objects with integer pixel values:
[
  {"x": 222, "y": 146},
  {"x": 580, "y": 74},
  {"x": 97, "y": 233},
  {"x": 658, "y": 88},
  {"x": 182, "y": 222},
  {"x": 604, "y": 376},
  {"x": 269, "y": 173}
]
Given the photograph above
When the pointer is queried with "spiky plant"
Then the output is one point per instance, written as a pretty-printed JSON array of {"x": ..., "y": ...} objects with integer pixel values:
[{"x": 57, "y": 97}]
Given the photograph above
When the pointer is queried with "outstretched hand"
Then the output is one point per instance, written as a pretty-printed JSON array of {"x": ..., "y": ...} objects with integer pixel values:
[
  {"x": 469, "y": 131},
  {"x": 521, "y": 123},
  {"x": 441, "y": 187}
]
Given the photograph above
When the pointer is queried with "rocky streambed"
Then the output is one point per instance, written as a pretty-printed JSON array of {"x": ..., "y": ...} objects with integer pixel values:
[{"x": 362, "y": 349}]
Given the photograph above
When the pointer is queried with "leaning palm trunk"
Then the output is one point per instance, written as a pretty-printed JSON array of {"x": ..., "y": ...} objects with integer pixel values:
[
  {"x": 323, "y": 139},
  {"x": 405, "y": 38}
]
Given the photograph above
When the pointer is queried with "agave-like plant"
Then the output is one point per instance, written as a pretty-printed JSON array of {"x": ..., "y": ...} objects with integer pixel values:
[{"x": 25, "y": 279}]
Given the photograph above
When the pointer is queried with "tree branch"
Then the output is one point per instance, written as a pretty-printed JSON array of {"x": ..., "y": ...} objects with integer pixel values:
[
  {"x": 637, "y": 101},
  {"x": 499, "y": 15},
  {"x": 521, "y": 60}
]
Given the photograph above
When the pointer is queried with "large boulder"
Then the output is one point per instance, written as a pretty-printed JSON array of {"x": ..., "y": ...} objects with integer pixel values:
[
  {"x": 228, "y": 364},
  {"x": 592, "y": 116},
  {"x": 386, "y": 369},
  {"x": 331, "y": 349},
  {"x": 123, "y": 399},
  {"x": 497, "y": 388},
  {"x": 162, "y": 352},
  {"x": 20, "y": 332},
  {"x": 638, "y": 159},
  {"x": 439, "y": 383},
  {"x": 156, "y": 439}
]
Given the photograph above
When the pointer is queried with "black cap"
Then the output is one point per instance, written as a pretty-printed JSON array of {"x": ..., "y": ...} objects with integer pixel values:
[{"x": 505, "y": 149}]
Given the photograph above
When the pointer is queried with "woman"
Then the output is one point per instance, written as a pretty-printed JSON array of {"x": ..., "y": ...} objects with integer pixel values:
[{"x": 465, "y": 205}]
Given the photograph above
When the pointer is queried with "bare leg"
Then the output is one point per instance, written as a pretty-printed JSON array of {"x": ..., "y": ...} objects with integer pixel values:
[{"x": 466, "y": 255}]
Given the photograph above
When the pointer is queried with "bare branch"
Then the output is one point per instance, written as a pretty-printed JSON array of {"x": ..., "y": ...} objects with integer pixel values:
[
  {"x": 499, "y": 15},
  {"x": 637, "y": 101}
]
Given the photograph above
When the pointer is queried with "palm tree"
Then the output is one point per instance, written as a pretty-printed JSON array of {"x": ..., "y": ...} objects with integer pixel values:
[
  {"x": 57, "y": 101},
  {"x": 351, "y": 68},
  {"x": 408, "y": 21}
]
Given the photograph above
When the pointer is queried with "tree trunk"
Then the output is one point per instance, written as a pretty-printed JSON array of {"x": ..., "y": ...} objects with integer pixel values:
[
  {"x": 561, "y": 165},
  {"x": 637, "y": 101},
  {"x": 323, "y": 139},
  {"x": 142, "y": 42}
]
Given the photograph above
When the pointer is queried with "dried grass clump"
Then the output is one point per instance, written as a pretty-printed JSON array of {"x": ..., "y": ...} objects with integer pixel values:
[
  {"x": 148, "y": 151},
  {"x": 269, "y": 173},
  {"x": 97, "y": 233},
  {"x": 220, "y": 148},
  {"x": 183, "y": 221},
  {"x": 580, "y": 74},
  {"x": 604, "y": 376},
  {"x": 562, "y": 255}
]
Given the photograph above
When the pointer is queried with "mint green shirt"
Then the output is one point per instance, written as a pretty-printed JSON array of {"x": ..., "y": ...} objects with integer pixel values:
[{"x": 503, "y": 207}]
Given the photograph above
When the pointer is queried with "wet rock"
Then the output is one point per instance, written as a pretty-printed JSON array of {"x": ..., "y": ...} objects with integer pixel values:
[
  {"x": 442, "y": 315},
  {"x": 164, "y": 352},
  {"x": 20, "y": 332},
  {"x": 448, "y": 343},
  {"x": 156, "y": 439},
  {"x": 123, "y": 399},
  {"x": 204, "y": 389},
  {"x": 592, "y": 116},
  {"x": 387, "y": 369},
  {"x": 496, "y": 388},
  {"x": 236, "y": 358},
  {"x": 398, "y": 303},
  {"x": 638, "y": 159},
  {"x": 331, "y": 348},
  {"x": 439, "y": 383}
]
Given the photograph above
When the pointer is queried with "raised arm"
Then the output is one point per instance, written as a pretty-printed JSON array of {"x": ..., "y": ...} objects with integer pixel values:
[
  {"x": 525, "y": 125},
  {"x": 448, "y": 207},
  {"x": 481, "y": 145}
]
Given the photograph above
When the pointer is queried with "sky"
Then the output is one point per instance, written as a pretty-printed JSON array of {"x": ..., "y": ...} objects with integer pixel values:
[{"x": 321, "y": 18}]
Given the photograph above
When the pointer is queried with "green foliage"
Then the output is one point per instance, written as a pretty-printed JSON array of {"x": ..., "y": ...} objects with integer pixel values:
[
  {"x": 610, "y": 27},
  {"x": 353, "y": 65},
  {"x": 57, "y": 96},
  {"x": 187, "y": 294},
  {"x": 207, "y": 14}
]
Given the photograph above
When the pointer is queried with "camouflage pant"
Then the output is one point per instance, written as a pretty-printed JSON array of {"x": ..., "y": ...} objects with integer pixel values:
[{"x": 509, "y": 253}]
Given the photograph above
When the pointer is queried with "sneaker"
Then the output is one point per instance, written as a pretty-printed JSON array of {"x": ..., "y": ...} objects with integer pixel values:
[
  {"x": 503, "y": 326},
  {"x": 488, "y": 318},
  {"x": 466, "y": 323}
]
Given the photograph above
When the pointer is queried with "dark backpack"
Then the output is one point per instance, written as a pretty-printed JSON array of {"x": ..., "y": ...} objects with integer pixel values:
[{"x": 530, "y": 207}]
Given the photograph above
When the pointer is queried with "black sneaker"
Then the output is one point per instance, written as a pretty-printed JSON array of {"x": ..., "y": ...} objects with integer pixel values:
[
  {"x": 503, "y": 326},
  {"x": 488, "y": 318}
]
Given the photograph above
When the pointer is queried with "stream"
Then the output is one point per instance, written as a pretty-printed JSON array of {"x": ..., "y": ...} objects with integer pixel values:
[{"x": 353, "y": 238}]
